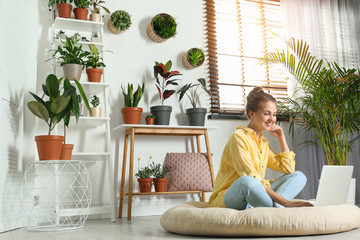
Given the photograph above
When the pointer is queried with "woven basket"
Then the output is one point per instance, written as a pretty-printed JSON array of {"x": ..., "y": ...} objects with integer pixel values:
[
  {"x": 152, "y": 35},
  {"x": 187, "y": 63},
  {"x": 113, "y": 29}
]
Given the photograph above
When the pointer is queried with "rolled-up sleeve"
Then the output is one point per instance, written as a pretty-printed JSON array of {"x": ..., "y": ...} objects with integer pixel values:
[{"x": 283, "y": 162}]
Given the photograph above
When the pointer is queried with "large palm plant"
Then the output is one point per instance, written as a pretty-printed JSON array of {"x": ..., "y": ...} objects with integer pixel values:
[{"x": 329, "y": 102}]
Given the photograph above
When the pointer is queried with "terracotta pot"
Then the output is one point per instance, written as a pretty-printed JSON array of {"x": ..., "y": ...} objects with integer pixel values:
[
  {"x": 145, "y": 184},
  {"x": 49, "y": 146},
  {"x": 66, "y": 151},
  {"x": 94, "y": 74},
  {"x": 96, "y": 17},
  {"x": 160, "y": 184},
  {"x": 64, "y": 10},
  {"x": 81, "y": 13},
  {"x": 150, "y": 121},
  {"x": 72, "y": 71},
  {"x": 95, "y": 112},
  {"x": 131, "y": 115}
]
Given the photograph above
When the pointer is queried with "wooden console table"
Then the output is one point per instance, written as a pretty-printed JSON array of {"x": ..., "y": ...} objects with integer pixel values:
[{"x": 132, "y": 130}]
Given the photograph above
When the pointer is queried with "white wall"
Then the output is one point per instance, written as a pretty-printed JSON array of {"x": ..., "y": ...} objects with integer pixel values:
[{"x": 132, "y": 61}]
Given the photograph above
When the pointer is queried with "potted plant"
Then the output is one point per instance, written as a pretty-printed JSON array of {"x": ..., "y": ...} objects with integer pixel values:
[
  {"x": 74, "y": 109},
  {"x": 161, "y": 28},
  {"x": 61, "y": 35},
  {"x": 327, "y": 100},
  {"x": 162, "y": 113},
  {"x": 71, "y": 57},
  {"x": 119, "y": 21},
  {"x": 94, "y": 64},
  {"x": 81, "y": 11},
  {"x": 97, "y": 4},
  {"x": 193, "y": 58},
  {"x": 96, "y": 39},
  {"x": 63, "y": 7},
  {"x": 131, "y": 113},
  {"x": 52, "y": 111},
  {"x": 196, "y": 115},
  {"x": 95, "y": 110},
  {"x": 150, "y": 119},
  {"x": 144, "y": 176},
  {"x": 159, "y": 172}
]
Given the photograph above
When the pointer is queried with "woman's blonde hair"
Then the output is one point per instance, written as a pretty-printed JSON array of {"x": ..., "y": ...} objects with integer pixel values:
[{"x": 255, "y": 98}]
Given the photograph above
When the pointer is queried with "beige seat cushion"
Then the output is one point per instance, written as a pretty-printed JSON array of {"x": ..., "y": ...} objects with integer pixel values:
[{"x": 195, "y": 218}]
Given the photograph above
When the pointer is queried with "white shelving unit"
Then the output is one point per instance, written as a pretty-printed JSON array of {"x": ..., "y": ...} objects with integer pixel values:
[{"x": 85, "y": 122}]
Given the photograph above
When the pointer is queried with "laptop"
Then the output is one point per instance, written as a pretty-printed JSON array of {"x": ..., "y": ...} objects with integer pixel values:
[{"x": 334, "y": 185}]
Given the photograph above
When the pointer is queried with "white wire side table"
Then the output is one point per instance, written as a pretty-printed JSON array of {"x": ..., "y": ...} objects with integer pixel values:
[{"x": 57, "y": 195}]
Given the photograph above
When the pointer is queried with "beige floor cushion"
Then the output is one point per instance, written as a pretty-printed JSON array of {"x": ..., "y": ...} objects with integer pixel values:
[{"x": 195, "y": 218}]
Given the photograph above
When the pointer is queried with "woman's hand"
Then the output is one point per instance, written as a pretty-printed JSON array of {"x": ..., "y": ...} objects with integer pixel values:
[
  {"x": 276, "y": 131},
  {"x": 297, "y": 204}
]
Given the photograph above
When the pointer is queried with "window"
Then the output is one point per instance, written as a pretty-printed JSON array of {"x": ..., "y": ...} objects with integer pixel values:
[{"x": 238, "y": 32}]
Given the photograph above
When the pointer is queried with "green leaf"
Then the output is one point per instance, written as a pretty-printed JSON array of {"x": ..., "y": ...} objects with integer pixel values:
[
  {"x": 82, "y": 94},
  {"x": 168, "y": 66},
  {"x": 59, "y": 104},
  {"x": 52, "y": 85},
  {"x": 39, "y": 110}
]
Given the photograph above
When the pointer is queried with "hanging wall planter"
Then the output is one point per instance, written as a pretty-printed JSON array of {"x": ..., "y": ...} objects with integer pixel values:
[
  {"x": 193, "y": 58},
  {"x": 161, "y": 28},
  {"x": 119, "y": 21}
]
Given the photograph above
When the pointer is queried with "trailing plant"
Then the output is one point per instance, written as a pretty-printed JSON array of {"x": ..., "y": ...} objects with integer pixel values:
[
  {"x": 94, "y": 60},
  {"x": 160, "y": 171},
  {"x": 56, "y": 2},
  {"x": 329, "y": 101},
  {"x": 121, "y": 19},
  {"x": 97, "y": 5},
  {"x": 95, "y": 101},
  {"x": 82, "y": 3},
  {"x": 164, "y": 25},
  {"x": 131, "y": 98},
  {"x": 70, "y": 53},
  {"x": 196, "y": 57},
  {"x": 57, "y": 106},
  {"x": 191, "y": 91},
  {"x": 165, "y": 74}
]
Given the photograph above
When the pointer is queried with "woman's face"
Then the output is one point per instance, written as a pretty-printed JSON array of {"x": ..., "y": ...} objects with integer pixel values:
[{"x": 264, "y": 118}]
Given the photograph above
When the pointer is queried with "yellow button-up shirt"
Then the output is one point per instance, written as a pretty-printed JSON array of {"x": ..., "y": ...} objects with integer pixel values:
[{"x": 247, "y": 155}]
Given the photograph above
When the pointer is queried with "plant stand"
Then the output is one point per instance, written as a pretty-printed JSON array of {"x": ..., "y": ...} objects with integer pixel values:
[{"x": 57, "y": 195}]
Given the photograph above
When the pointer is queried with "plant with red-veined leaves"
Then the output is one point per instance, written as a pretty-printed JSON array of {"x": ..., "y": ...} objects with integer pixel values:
[{"x": 166, "y": 74}]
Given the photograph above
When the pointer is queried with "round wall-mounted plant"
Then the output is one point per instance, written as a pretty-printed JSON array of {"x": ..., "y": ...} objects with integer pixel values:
[
  {"x": 119, "y": 21},
  {"x": 193, "y": 58},
  {"x": 161, "y": 27}
]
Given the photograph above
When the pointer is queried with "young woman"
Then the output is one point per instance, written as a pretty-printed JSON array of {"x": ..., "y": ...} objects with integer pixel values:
[{"x": 241, "y": 182}]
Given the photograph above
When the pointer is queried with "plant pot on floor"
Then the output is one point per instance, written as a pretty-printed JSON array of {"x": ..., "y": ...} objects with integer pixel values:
[
  {"x": 81, "y": 13},
  {"x": 160, "y": 184},
  {"x": 94, "y": 74},
  {"x": 95, "y": 17},
  {"x": 49, "y": 146},
  {"x": 95, "y": 112},
  {"x": 131, "y": 115},
  {"x": 145, "y": 184},
  {"x": 196, "y": 116},
  {"x": 64, "y": 10},
  {"x": 162, "y": 114},
  {"x": 66, "y": 151},
  {"x": 72, "y": 71}
]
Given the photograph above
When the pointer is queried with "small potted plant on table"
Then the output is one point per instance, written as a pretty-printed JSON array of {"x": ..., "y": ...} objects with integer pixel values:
[
  {"x": 159, "y": 172},
  {"x": 95, "y": 110},
  {"x": 144, "y": 176},
  {"x": 81, "y": 11},
  {"x": 150, "y": 119},
  {"x": 193, "y": 58},
  {"x": 131, "y": 112},
  {"x": 119, "y": 21},
  {"x": 161, "y": 28},
  {"x": 63, "y": 7},
  {"x": 95, "y": 16},
  {"x": 162, "y": 112},
  {"x": 196, "y": 115}
]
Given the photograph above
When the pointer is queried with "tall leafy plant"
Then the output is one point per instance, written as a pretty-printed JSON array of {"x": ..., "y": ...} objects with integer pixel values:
[
  {"x": 70, "y": 52},
  {"x": 94, "y": 60},
  {"x": 329, "y": 101},
  {"x": 191, "y": 91},
  {"x": 97, "y": 4},
  {"x": 161, "y": 83},
  {"x": 131, "y": 98}
]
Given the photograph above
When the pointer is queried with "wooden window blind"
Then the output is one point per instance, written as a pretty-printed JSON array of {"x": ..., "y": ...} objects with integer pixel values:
[{"x": 238, "y": 32}]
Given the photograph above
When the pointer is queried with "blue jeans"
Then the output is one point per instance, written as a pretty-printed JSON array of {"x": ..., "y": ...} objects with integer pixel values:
[{"x": 247, "y": 191}]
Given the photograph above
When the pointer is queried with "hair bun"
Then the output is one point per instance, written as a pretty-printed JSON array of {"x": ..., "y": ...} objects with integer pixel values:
[{"x": 256, "y": 90}]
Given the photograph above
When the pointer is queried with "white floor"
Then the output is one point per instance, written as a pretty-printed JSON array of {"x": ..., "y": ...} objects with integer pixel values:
[{"x": 138, "y": 228}]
